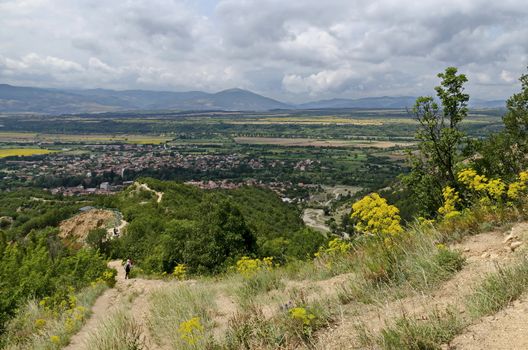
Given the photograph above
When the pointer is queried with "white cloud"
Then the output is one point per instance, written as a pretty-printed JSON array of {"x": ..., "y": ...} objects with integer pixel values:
[{"x": 296, "y": 50}]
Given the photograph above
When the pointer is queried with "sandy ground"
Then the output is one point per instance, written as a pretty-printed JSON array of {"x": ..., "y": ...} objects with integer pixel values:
[{"x": 506, "y": 330}]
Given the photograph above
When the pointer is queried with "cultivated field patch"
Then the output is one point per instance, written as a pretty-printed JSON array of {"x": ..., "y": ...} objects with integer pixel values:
[
  {"x": 306, "y": 142},
  {"x": 82, "y": 138},
  {"x": 12, "y": 152}
]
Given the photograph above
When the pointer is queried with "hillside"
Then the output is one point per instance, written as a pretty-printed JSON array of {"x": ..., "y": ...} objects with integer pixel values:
[
  {"x": 275, "y": 283},
  {"x": 17, "y": 99},
  {"x": 482, "y": 253},
  {"x": 60, "y": 101}
]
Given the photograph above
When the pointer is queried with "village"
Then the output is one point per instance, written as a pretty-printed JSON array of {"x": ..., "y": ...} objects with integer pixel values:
[{"x": 107, "y": 169}]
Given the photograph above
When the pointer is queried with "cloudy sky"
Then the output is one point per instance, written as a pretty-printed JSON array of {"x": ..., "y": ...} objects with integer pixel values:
[{"x": 295, "y": 50}]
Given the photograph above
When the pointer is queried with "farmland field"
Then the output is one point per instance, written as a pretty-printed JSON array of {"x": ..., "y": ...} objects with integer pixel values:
[
  {"x": 13, "y": 152},
  {"x": 306, "y": 142},
  {"x": 22, "y": 137}
]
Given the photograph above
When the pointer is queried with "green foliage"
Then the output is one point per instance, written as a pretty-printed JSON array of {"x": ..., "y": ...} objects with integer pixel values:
[
  {"x": 40, "y": 266},
  {"x": 440, "y": 138},
  {"x": 504, "y": 154},
  {"x": 96, "y": 238},
  {"x": 209, "y": 230},
  {"x": 45, "y": 325}
]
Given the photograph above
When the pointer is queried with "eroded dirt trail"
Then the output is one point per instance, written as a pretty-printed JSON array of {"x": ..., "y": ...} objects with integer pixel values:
[
  {"x": 133, "y": 292},
  {"x": 483, "y": 252},
  {"x": 506, "y": 330}
]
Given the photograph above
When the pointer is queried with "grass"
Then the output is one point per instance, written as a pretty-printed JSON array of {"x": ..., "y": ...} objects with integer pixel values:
[
  {"x": 21, "y": 152},
  {"x": 263, "y": 281},
  {"x": 499, "y": 289},
  {"x": 407, "y": 333},
  {"x": 37, "y": 327},
  {"x": 492, "y": 294},
  {"x": 119, "y": 331},
  {"x": 169, "y": 308},
  {"x": 291, "y": 327}
]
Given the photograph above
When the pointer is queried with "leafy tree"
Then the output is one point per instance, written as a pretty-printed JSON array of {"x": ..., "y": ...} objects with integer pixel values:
[
  {"x": 504, "y": 154},
  {"x": 222, "y": 235},
  {"x": 440, "y": 140},
  {"x": 96, "y": 238}
]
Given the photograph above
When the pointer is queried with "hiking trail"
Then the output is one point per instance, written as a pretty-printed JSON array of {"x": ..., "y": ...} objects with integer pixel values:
[{"x": 134, "y": 291}]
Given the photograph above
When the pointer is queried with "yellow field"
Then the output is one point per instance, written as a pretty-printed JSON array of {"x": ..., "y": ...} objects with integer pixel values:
[
  {"x": 97, "y": 138},
  {"x": 9, "y": 152}
]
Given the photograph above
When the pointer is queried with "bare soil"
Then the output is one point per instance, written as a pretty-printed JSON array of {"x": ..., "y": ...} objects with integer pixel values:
[{"x": 78, "y": 227}]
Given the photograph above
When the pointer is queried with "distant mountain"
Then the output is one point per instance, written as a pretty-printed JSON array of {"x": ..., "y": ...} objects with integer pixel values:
[
  {"x": 63, "y": 101},
  {"x": 59, "y": 101},
  {"x": 367, "y": 102},
  {"x": 389, "y": 102},
  {"x": 478, "y": 103}
]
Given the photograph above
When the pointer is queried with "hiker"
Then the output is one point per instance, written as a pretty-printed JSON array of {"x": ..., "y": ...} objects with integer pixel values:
[{"x": 128, "y": 267}]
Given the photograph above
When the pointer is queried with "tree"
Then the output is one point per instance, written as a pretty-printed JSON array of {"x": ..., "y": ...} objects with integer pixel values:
[
  {"x": 96, "y": 238},
  {"x": 504, "y": 154},
  {"x": 221, "y": 236},
  {"x": 440, "y": 140}
]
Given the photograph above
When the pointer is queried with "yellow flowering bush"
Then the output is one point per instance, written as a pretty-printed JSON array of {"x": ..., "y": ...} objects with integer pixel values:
[
  {"x": 302, "y": 315},
  {"x": 40, "y": 323},
  {"x": 55, "y": 339},
  {"x": 518, "y": 187},
  {"x": 494, "y": 188},
  {"x": 248, "y": 267},
  {"x": 372, "y": 214},
  {"x": 191, "y": 331},
  {"x": 451, "y": 199},
  {"x": 180, "y": 271},
  {"x": 337, "y": 246},
  {"x": 471, "y": 179}
]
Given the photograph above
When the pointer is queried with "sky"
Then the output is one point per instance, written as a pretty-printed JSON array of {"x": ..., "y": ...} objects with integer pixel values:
[{"x": 291, "y": 50}]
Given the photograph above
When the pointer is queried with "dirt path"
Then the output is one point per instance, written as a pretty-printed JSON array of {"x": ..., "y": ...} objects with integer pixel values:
[
  {"x": 315, "y": 219},
  {"x": 158, "y": 194},
  {"x": 120, "y": 228},
  {"x": 134, "y": 291},
  {"x": 482, "y": 251},
  {"x": 507, "y": 330}
]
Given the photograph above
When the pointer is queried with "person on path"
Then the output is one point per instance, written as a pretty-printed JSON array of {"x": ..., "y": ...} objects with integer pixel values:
[{"x": 128, "y": 267}]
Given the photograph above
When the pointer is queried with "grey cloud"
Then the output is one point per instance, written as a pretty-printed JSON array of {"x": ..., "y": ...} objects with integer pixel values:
[{"x": 294, "y": 50}]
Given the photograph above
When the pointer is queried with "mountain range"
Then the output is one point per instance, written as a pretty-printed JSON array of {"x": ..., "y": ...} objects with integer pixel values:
[{"x": 16, "y": 99}]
